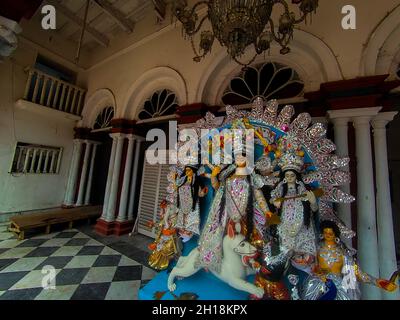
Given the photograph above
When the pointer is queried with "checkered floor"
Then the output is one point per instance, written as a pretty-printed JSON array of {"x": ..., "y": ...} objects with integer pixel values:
[{"x": 85, "y": 268}]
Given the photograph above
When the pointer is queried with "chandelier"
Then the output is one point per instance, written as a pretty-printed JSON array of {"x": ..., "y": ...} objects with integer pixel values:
[{"x": 238, "y": 24}]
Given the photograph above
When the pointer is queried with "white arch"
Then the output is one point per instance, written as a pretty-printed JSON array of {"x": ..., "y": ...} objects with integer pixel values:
[
  {"x": 313, "y": 60},
  {"x": 151, "y": 81},
  {"x": 99, "y": 100},
  {"x": 382, "y": 47}
]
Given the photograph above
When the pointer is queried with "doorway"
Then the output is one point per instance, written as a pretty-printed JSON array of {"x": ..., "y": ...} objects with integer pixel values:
[{"x": 100, "y": 169}]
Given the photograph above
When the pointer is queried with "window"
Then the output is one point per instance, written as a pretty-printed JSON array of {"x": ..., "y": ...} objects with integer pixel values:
[
  {"x": 54, "y": 69},
  {"x": 270, "y": 81},
  {"x": 161, "y": 103},
  {"x": 34, "y": 158},
  {"x": 104, "y": 118}
]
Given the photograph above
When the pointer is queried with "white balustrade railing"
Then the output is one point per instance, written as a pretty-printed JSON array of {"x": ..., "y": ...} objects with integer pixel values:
[
  {"x": 36, "y": 159},
  {"x": 51, "y": 92}
]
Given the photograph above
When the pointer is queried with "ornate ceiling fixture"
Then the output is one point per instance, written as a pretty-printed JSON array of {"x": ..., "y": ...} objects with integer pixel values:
[{"x": 237, "y": 24}]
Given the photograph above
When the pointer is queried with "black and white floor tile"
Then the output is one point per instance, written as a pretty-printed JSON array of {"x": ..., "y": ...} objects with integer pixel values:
[{"x": 85, "y": 268}]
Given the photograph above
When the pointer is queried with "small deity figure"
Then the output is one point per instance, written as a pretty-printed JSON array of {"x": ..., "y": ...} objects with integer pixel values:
[
  {"x": 166, "y": 245},
  {"x": 335, "y": 276},
  {"x": 270, "y": 274},
  {"x": 296, "y": 207},
  {"x": 239, "y": 202},
  {"x": 265, "y": 168},
  {"x": 189, "y": 188}
]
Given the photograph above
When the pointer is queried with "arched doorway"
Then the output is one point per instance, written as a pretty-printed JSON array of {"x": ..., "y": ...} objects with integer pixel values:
[
  {"x": 157, "y": 110},
  {"x": 101, "y": 132}
]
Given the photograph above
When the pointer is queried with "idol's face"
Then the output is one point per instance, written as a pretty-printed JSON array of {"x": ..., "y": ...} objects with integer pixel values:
[
  {"x": 189, "y": 172},
  {"x": 240, "y": 160},
  {"x": 290, "y": 177},
  {"x": 328, "y": 234}
]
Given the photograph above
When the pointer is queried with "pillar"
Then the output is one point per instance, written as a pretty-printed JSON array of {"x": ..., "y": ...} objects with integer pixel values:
[
  {"x": 132, "y": 195},
  {"x": 386, "y": 240},
  {"x": 366, "y": 213},
  {"x": 122, "y": 214},
  {"x": 109, "y": 176},
  {"x": 82, "y": 182},
  {"x": 90, "y": 177},
  {"x": 340, "y": 126},
  {"x": 112, "y": 201},
  {"x": 73, "y": 173}
]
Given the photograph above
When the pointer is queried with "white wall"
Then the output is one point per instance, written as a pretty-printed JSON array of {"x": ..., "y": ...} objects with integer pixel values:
[{"x": 22, "y": 192}]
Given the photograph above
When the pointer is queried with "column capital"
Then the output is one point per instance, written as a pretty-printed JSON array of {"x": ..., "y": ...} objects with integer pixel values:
[
  {"x": 354, "y": 113},
  {"x": 382, "y": 119},
  {"x": 117, "y": 135},
  {"x": 340, "y": 121},
  {"x": 78, "y": 141},
  {"x": 339, "y": 115},
  {"x": 131, "y": 137},
  {"x": 139, "y": 138},
  {"x": 94, "y": 142},
  {"x": 361, "y": 121}
]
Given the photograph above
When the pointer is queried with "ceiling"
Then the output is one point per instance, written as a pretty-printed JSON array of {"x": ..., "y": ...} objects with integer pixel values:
[
  {"x": 108, "y": 22},
  {"x": 105, "y": 19}
]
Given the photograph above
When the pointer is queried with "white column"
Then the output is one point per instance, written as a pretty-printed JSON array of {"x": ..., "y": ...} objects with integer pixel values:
[
  {"x": 134, "y": 179},
  {"x": 73, "y": 173},
  {"x": 123, "y": 203},
  {"x": 20, "y": 149},
  {"x": 386, "y": 240},
  {"x": 33, "y": 162},
  {"x": 53, "y": 159},
  {"x": 109, "y": 176},
  {"x": 71, "y": 168},
  {"x": 366, "y": 217},
  {"x": 59, "y": 157},
  {"x": 40, "y": 161},
  {"x": 90, "y": 177},
  {"x": 46, "y": 161},
  {"x": 340, "y": 127},
  {"x": 27, "y": 155},
  {"x": 82, "y": 181},
  {"x": 112, "y": 201}
]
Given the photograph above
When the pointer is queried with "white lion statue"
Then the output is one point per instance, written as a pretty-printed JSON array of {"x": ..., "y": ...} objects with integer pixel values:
[{"x": 233, "y": 271}]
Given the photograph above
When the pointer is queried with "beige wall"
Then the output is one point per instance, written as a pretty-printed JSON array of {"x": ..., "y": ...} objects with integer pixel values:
[
  {"x": 324, "y": 47},
  {"x": 20, "y": 192}
]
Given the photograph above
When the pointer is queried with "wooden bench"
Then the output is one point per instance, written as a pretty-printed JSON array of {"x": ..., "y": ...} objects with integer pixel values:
[{"x": 20, "y": 224}]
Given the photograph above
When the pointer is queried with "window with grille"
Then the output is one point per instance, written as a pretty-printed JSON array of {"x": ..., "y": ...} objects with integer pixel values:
[
  {"x": 269, "y": 80},
  {"x": 36, "y": 159},
  {"x": 161, "y": 103},
  {"x": 103, "y": 119}
]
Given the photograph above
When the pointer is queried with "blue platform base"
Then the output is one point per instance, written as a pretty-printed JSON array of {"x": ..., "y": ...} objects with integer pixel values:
[{"x": 204, "y": 284}]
